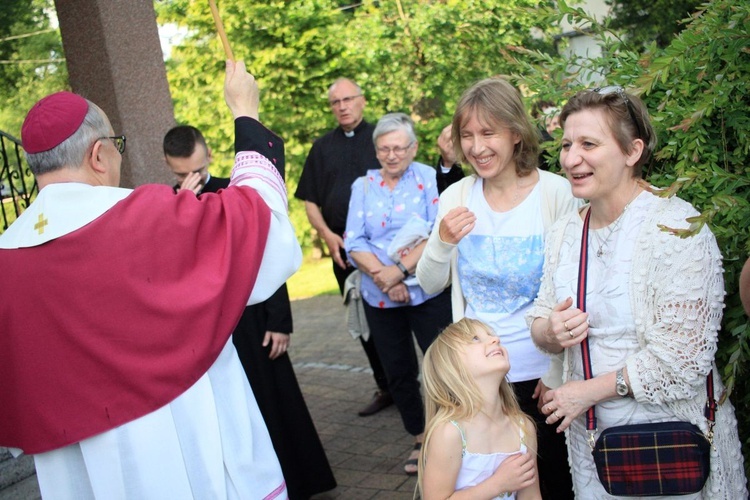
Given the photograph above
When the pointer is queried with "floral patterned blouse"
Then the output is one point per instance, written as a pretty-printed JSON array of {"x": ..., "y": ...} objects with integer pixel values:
[{"x": 376, "y": 213}]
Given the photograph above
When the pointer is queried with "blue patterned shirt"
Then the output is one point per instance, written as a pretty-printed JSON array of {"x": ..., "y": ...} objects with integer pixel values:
[{"x": 376, "y": 214}]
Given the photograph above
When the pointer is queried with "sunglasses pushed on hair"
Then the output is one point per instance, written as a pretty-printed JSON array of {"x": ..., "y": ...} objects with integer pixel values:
[{"x": 616, "y": 89}]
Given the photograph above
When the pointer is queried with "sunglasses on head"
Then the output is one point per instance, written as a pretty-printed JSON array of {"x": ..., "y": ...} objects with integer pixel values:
[{"x": 616, "y": 89}]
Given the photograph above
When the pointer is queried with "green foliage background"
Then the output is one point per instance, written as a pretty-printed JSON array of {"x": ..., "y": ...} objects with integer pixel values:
[
  {"x": 651, "y": 20},
  {"x": 33, "y": 66},
  {"x": 411, "y": 56},
  {"x": 417, "y": 56}
]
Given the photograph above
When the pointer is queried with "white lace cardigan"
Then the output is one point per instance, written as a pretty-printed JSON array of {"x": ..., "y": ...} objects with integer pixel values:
[{"x": 677, "y": 296}]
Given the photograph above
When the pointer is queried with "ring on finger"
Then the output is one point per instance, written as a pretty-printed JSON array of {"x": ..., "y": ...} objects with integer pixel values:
[
  {"x": 570, "y": 332},
  {"x": 565, "y": 324},
  {"x": 556, "y": 415}
]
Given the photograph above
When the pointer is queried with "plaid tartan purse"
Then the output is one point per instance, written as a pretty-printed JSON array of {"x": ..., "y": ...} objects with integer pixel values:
[{"x": 665, "y": 458}]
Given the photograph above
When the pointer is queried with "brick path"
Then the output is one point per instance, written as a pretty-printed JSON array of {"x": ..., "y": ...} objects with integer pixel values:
[{"x": 366, "y": 453}]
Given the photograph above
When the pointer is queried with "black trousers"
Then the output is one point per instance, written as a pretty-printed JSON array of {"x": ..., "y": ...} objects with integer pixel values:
[
  {"x": 552, "y": 453},
  {"x": 391, "y": 329},
  {"x": 369, "y": 346}
]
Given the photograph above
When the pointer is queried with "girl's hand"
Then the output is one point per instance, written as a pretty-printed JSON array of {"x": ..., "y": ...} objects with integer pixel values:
[
  {"x": 567, "y": 325},
  {"x": 567, "y": 402},
  {"x": 456, "y": 224},
  {"x": 515, "y": 473}
]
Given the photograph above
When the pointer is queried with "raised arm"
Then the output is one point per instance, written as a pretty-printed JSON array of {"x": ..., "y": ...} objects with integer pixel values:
[
  {"x": 259, "y": 164},
  {"x": 241, "y": 91}
]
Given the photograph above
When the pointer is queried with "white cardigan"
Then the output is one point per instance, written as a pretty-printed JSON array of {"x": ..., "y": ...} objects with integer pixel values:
[{"x": 677, "y": 296}]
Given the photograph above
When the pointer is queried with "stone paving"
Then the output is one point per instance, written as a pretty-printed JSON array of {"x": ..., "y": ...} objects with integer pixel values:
[{"x": 366, "y": 453}]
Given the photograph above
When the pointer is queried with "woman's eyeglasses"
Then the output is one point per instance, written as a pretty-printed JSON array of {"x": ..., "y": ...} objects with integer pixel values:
[
  {"x": 398, "y": 150},
  {"x": 616, "y": 89},
  {"x": 118, "y": 141}
]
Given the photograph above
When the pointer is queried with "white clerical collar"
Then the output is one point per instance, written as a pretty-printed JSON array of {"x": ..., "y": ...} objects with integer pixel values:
[{"x": 349, "y": 133}]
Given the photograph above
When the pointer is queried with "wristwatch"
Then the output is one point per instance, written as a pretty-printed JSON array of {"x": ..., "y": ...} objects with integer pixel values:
[
  {"x": 403, "y": 269},
  {"x": 620, "y": 386}
]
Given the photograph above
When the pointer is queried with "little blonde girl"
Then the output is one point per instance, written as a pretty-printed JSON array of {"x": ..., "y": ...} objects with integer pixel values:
[{"x": 478, "y": 443}]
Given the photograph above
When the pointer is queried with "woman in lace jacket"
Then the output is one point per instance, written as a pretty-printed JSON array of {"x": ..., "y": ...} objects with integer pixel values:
[{"x": 654, "y": 300}]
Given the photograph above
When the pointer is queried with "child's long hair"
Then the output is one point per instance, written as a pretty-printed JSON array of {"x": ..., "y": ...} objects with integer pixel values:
[{"x": 450, "y": 391}]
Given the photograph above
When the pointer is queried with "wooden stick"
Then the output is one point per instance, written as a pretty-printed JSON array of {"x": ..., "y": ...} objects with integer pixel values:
[{"x": 220, "y": 29}]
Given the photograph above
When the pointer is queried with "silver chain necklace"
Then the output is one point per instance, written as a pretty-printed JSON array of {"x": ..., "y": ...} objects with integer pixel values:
[{"x": 613, "y": 227}]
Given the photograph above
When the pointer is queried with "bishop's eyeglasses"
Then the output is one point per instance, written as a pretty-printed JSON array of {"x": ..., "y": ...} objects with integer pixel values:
[{"x": 118, "y": 141}]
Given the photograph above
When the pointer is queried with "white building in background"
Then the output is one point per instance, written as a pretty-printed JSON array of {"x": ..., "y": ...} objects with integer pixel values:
[
  {"x": 579, "y": 43},
  {"x": 169, "y": 35}
]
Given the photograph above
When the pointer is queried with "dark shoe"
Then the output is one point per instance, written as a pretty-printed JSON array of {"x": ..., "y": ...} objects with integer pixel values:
[
  {"x": 381, "y": 400},
  {"x": 411, "y": 466}
]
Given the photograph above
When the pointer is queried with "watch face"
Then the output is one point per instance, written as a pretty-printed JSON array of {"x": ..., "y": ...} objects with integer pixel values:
[{"x": 620, "y": 386}]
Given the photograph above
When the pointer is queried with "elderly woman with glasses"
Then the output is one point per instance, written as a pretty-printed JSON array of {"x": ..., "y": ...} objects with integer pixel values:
[
  {"x": 653, "y": 300},
  {"x": 395, "y": 206}
]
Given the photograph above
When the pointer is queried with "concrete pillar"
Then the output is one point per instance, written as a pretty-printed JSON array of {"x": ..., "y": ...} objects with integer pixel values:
[{"x": 114, "y": 59}]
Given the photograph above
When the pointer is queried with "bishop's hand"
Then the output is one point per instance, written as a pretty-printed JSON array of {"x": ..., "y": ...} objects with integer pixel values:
[{"x": 241, "y": 90}]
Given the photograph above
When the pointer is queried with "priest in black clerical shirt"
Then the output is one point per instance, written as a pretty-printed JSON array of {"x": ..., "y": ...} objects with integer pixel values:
[{"x": 334, "y": 162}]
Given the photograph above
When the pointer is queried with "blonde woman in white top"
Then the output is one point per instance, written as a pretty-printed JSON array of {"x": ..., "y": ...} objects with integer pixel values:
[{"x": 489, "y": 245}]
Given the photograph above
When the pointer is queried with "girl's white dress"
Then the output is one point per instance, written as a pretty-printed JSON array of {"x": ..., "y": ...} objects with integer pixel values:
[{"x": 476, "y": 467}]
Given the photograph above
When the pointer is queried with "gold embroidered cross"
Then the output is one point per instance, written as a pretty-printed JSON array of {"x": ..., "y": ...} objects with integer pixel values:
[{"x": 39, "y": 226}]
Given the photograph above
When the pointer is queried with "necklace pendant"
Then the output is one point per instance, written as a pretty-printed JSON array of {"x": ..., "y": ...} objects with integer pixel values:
[{"x": 600, "y": 252}]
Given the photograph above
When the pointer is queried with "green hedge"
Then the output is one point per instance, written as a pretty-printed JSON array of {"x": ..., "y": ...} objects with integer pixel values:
[{"x": 697, "y": 92}]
